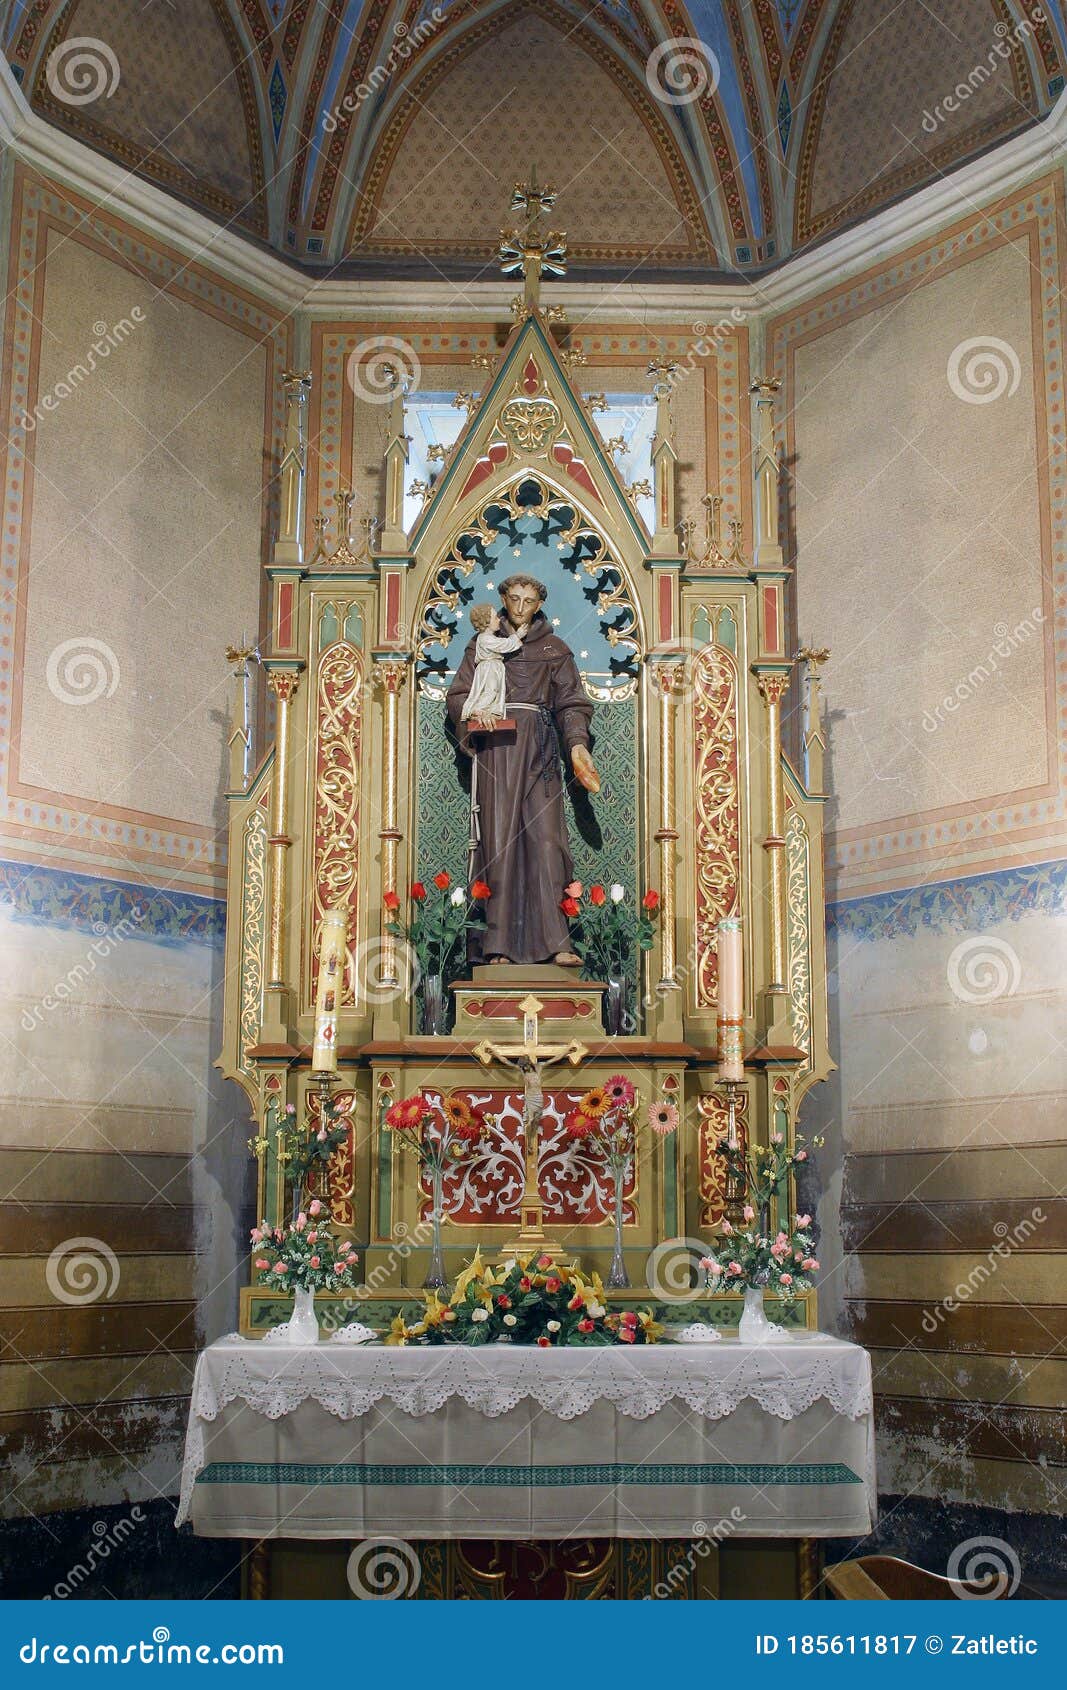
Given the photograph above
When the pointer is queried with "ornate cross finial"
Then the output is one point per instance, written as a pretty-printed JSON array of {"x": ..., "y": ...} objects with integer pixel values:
[
  {"x": 527, "y": 252},
  {"x": 813, "y": 656}
]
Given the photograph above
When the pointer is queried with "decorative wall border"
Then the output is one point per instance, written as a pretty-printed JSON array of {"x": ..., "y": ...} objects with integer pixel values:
[
  {"x": 152, "y": 844},
  {"x": 82, "y": 902},
  {"x": 973, "y": 904},
  {"x": 977, "y": 836}
]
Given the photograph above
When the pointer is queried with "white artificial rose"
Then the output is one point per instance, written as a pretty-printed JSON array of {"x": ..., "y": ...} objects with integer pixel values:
[
  {"x": 459, "y": 896},
  {"x": 480, "y": 1314},
  {"x": 553, "y": 1325},
  {"x": 510, "y": 1319},
  {"x": 594, "y": 1310},
  {"x": 618, "y": 893}
]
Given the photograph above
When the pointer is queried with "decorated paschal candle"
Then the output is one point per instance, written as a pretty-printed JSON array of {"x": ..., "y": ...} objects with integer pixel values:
[
  {"x": 731, "y": 1017},
  {"x": 333, "y": 936}
]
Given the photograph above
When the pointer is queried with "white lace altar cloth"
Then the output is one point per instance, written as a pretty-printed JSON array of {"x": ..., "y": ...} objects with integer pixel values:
[{"x": 338, "y": 1441}]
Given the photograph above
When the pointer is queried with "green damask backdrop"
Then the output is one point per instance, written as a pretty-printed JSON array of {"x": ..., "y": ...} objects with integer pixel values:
[{"x": 603, "y": 830}]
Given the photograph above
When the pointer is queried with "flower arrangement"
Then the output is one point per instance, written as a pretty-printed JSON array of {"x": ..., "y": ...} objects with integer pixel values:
[
  {"x": 605, "y": 1121},
  {"x": 439, "y": 1134},
  {"x": 438, "y": 920},
  {"x": 750, "y": 1256},
  {"x": 305, "y": 1255},
  {"x": 528, "y": 1300},
  {"x": 608, "y": 929}
]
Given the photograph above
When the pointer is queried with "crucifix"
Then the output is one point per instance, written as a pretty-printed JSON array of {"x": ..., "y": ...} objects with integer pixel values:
[
  {"x": 528, "y": 253},
  {"x": 530, "y": 1058}
]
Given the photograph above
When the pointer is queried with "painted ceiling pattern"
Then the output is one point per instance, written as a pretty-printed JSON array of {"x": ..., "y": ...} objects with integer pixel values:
[{"x": 718, "y": 134}]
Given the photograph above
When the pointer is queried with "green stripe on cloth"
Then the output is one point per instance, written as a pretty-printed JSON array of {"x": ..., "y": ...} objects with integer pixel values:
[{"x": 528, "y": 1478}]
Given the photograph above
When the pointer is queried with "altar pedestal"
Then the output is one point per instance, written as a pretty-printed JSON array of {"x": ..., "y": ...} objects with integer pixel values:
[
  {"x": 491, "y": 1001},
  {"x": 694, "y": 1444}
]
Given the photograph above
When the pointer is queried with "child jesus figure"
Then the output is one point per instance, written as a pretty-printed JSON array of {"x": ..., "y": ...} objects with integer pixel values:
[{"x": 484, "y": 704}]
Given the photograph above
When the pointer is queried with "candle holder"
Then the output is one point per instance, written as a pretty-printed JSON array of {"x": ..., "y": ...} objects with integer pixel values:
[{"x": 732, "y": 1088}]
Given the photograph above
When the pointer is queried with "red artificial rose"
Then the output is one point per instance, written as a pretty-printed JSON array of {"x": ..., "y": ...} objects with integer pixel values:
[
  {"x": 544, "y": 1261},
  {"x": 503, "y": 1302},
  {"x": 544, "y": 1343},
  {"x": 569, "y": 906},
  {"x": 418, "y": 891},
  {"x": 651, "y": 900},
  {"x": 443, "y": 880},
  {"x": 525, "y": 1282},
  {"x": 552, "y": 1283},
  {"x": 391, "y": 901},
  {"x": 480, "y": 891},
  {"x": 576, "y": 1302},
  {"x": 626, "y": 1334},
  {"x": 597, "y": 895},
  {"x": 585, "y": 1325},
  {"x": 629, "y": 1318}
]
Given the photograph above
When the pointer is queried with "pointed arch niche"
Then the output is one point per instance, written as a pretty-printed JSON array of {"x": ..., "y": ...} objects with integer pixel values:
[{"x": 530, "y": 523}]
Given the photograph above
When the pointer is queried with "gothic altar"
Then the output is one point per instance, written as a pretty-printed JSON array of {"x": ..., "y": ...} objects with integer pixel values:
[{"x": 681, "y": 638}]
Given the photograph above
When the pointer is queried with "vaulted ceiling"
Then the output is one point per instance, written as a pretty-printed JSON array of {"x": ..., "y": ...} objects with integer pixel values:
[{"x": 717, "y": 136}]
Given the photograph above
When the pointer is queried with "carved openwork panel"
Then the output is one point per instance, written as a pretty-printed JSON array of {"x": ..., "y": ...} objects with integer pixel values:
[
  {"x": 336, "y": 800},
  {"x": 719, "y": 1196},
  {"x": 717, "y": 836}
]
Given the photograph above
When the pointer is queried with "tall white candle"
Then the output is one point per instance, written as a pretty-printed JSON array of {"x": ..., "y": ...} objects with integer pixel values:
[
  {"x": 332, "y": 944},
  {"x": 731, "y": 1016}
]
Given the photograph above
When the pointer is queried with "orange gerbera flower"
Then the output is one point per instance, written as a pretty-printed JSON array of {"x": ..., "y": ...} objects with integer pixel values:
[{"x": 595, "y": 1102}]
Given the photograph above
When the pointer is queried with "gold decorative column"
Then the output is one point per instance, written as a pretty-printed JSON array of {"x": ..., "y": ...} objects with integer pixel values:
[
  {"x": 289, "y": 547},
  {"x": 664, "y": 461},
  {"x": 393, "y": 538},
  {"x": 283, "y": 682},
  {"x": 772, "y": 685},
  {"x": 667, "y": 677},
  {"x": 390, "y": 673}
]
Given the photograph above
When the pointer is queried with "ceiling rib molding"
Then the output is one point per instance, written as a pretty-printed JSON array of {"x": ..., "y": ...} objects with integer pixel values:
[{"x": 28, "y": 137}]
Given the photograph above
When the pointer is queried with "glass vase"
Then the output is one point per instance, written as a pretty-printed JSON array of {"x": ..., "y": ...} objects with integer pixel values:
[
  {"x": 433, "y": 1004},
  {"x": 754, "y": 1327},
  {"x": 435, "y": 1274},
  {"x": 615, "y": 1005},
  {"x": 618, "y": 1278}
]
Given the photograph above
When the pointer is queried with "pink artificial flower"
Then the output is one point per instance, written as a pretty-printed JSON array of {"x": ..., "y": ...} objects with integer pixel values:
[
  {"x": 262, "y": 1264},
  {"x": 281, "y": 1267},
  {"x": 574, "y": 890},
  {"x": 301, "y": 1221},
  {"x": 312, "y": 1237},
  {"x": 801, "y": 1156},
  {"x": 726, "y": 1227},
  {"x": 338, "y": 1267},
  {"x": 707, "y": 1263},
  {"x": 812, "y": 1265},
  {"x": 315, "y": 1207},
  {"x": 321, "y": 1135},
  {"x": 626, "y": 1334},
  {"x": 735, "y": 1268},
  {"x": 786, "y": 1278},
  {"x": 749, "y": 1212},
  {"x": 315, "y": 1262},
  {"x": 620, "y": 1090},
  {"x": 776, "y": 1138},
  {"x": 629, "y": 1318},
  {"x": 803, "y": 1221}
]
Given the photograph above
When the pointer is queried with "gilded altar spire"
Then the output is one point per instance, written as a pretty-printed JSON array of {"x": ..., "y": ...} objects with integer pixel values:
[{"x": 529, "y": 251}]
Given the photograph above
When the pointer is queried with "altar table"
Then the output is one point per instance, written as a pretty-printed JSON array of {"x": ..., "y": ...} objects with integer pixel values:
[{"x": 660, "y": 1441}]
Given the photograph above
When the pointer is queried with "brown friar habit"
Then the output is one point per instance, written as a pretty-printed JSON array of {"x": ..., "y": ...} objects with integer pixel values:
[{"x": 524, "y": 854}]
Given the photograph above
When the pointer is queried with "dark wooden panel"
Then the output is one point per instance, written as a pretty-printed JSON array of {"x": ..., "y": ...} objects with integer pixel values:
[
  {"x": 965, "y": 1225},
  {"x": 127, "y": 1428},
  {"x": 35, "y": 1229},
  {"x": 97, "y": 1175},
  {"x": 997, "y": 1432},
  {"x": 99, "y": 1329},
  {"x": 975, "y": 1328},
  {"x": 968, "y": 1171}
]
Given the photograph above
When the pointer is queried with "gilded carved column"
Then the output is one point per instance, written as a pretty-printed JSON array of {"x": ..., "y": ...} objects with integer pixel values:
[
  {"x": 667, "y": 678},
  {"x": 390, "y": 673},
  {"x": 772, "y": 685},
  {"x": 283, "y": 683},
  {"x": 289, "y": 547}
]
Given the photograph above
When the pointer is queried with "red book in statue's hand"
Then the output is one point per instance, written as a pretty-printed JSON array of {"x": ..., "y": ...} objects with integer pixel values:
[{"x": 502, "y": 722}]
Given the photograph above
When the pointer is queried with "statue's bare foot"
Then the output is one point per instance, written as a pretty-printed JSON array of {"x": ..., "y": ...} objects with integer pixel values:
[
  {"x": 567, "y": 959},
  {"x": 499, "y": 959}
]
